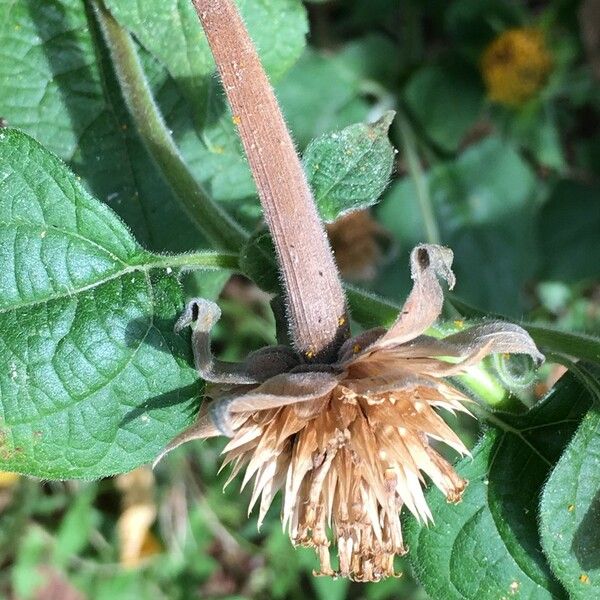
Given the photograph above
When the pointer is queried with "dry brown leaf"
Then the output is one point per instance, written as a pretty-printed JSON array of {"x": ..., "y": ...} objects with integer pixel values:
[{"x": 136, "y": 541}]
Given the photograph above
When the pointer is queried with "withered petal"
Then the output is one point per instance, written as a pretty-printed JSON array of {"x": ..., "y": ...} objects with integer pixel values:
[
  {"x": 282, "y": 390},
  {"x": 393, "y": 381},
  {"x": 498, "y": 337},
  {"x": 474, "y": 344},
  {"x": 273, "y": 486},
  {"x": 505, "y": 337},
  {"x": 203, "y": 428},
  {"x": 201, "y": 315}
]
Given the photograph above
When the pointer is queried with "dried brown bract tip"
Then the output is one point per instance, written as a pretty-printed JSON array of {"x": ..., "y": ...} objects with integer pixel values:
[
  {"x": 358, "y": 242},
  {"x": 348, "y": 442}
]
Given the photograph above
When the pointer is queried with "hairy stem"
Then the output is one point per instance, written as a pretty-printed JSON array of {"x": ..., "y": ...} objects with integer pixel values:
[
  {"x": 316, "y": 305},
  {"x": 208, "y": 216},
  {"x": 203, "y": 260}
]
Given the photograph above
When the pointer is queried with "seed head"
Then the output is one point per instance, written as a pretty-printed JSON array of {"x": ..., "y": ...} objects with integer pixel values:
[{"x": 349, "y": 442}]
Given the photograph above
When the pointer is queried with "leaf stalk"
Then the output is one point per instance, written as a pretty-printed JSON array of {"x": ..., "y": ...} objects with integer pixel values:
[{"x": 212, "y": 221}]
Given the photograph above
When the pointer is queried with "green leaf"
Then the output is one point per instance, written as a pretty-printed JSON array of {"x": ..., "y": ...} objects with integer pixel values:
[
  {"x": 320, "y": 93},
  {"x": 96, "y": 382},
  {"x": 487, "y": 217},
  {"x": 445, "y": 100},
  {"x": 568, "y": 229},
  {"x": 487, "y": 546},
  {"x": 171, "y": 31},
  {"x": 259, "y": 263},
  {"x": 66, "y": 96},
  {"x": 570, "y": 512},
  {"x": 349, "y": 169}
]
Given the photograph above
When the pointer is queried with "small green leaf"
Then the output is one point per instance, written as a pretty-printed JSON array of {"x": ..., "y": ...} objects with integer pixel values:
[
  {"x": 487, "y": 546},
  {"x": 259, "y": 263},
  {"x": 349, "y": 169},
  {"x": 95, "y": 381},
  {"x": 570, "y": 513}
]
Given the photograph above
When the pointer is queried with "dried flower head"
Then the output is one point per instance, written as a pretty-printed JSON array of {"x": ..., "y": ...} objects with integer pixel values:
[
  {"x": 349, "y": 442},
  {"x": 516, "y": 65}
]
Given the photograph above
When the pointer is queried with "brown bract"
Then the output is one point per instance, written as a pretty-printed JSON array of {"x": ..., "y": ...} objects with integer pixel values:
[
  {"x": 358, "y": 240},
  {"x": 348, "y": 442}
]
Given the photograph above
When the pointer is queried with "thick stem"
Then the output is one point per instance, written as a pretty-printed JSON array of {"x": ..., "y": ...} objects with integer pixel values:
[
  {"x": 316, "y": 305},
  {"x": 208, "y": 216}
]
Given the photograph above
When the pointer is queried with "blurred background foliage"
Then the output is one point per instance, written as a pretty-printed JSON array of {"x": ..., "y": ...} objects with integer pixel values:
[{"x": 499, "y": 157}]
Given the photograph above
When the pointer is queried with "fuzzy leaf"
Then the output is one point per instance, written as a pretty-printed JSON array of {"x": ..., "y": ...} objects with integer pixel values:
[
  {"x": 487, "y": 546},
  {"x": 66, "y": 96},
  {"x": 570, "y": 512},
  {"x": 259, "y": 263},
  {"x": 171, "y": 31},
  {"x": 349, "y": 169},
  {"x": 94, "y": 380}
]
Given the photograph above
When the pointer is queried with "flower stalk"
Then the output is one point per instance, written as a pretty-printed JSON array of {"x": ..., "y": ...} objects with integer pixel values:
[{"x": 316, "y": 304}]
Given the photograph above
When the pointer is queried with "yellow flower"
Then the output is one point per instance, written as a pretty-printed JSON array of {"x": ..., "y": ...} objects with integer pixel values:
[
  {"x": 515, "y": 66},
  {"x": 348, "y": 442}
]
